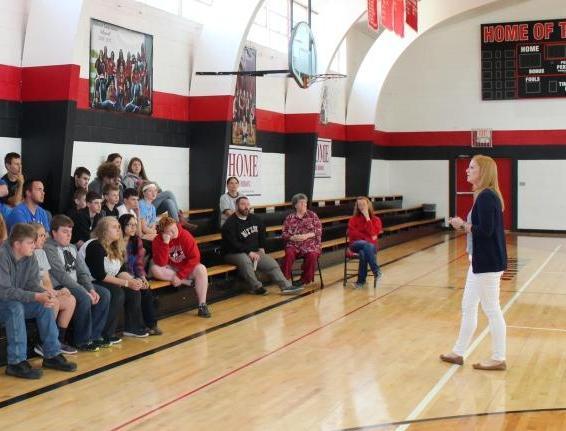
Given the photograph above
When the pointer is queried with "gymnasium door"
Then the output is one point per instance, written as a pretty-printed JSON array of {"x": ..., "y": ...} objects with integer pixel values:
[{"x": 464, "y": 194}]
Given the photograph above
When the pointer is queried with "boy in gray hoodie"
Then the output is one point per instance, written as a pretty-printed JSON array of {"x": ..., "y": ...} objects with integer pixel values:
[
  {"x": 22, "y": 297},
  {"x": 70, "y": 271}
]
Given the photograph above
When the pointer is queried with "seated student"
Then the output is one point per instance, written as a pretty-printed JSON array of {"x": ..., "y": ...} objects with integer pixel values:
[
  {"x": 243, "y": 238},
  {"x": 64, "y": 302},
  {"x": 3, "y": 230},
  {"x": 176, "y": 258},
  {"x": 79, "y": 181},
  {"x": 85, "y": 220},
  {"x": 69, "y": 272},
  {"x": 228, "y": 200},
  {"x": 111, "y": 195},
  {"x": 363, "y": 229},
  {"x": 116, "y": 159},
  {"x": 302, "y": 232},
  {"x": 22, "y": 297},
  {"x": 104, "y": 255},
  {"x": 164, "y": 201},
  {"x": 29, "y": 210},
  {"x": 107, "y": 173},
  {"x": 135, "y": 264},
  {"x": 79, "y": 202},
  {"x": 14, "y": 180},
  {"x": 148, "y": 214},
  {"x": 4, "y": 209},
  {"x": 131, "y": 203}
]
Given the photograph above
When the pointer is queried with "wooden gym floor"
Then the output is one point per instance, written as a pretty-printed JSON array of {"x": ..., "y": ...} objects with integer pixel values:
[{"x": 336, "y": 359}]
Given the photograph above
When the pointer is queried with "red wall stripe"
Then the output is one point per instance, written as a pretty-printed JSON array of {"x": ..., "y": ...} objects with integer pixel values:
[
  {"x": 83, "y": 95},
  {"x": 211, "y": 108},
  {"x": 268, "y": 121},
  {"x": 170, "y": 106},
  {"x": 50, "y": 83},
  {"x": 301, "y": 123},
  {"x": 10, "y": 83}
]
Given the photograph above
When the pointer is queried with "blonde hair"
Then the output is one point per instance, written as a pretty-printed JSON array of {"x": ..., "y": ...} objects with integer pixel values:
[
  {"x": 488, "y": 177},
  {"x": 116, "y": 250},
  {"x": 370, "y": 206}
]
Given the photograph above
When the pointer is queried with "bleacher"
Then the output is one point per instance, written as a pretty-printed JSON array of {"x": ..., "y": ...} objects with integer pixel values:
[{"x": 399, "y": 225}]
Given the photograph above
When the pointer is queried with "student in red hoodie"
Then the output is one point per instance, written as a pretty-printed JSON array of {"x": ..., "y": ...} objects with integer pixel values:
[
  {"x": 363, "y": 229},
  {"x": 176, "y": 258}
]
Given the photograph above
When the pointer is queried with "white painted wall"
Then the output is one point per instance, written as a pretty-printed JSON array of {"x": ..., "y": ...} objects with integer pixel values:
[
  {"x": 270, "y": 90},
  {"x": 419, "y": 181},
  {"x": 540, "y": 202},
  {"x": 379, "y": 178},
  {"x": 272, "y": 180},
  {"x": 9, "y": 145},
  {"x": 169, "y": 167},
  {"x": 13, "y": 18},
  {"x": 436, "y": 83},
  {"x": 334, "y": 187}
]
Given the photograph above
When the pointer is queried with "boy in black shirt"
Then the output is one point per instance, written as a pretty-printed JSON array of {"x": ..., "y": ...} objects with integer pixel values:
[{"x": 85, "y": 220}]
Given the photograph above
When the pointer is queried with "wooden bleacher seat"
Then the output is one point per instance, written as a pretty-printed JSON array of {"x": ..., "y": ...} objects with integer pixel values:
[
  {"x": 410, "y": 224},
  {"x": 212, "y": 271}
]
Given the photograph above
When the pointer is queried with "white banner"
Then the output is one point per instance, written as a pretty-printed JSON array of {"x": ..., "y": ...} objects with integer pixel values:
[
  {"x": 323, "y": 157},
  {"x": 244, "y": 163}
]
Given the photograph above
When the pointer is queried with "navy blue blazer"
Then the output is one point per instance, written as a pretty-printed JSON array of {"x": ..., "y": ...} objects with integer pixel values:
[{"x": 489, "y": 249}]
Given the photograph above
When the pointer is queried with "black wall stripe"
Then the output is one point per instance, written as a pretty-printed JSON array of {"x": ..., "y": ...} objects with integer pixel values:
[
  {"x": 132, "y": 129},
  {"x": 358, "y": 168},
  {"x": 339, "y": 148},
  {"x": 10, "y": 119},
  {"x": 300, "y": 159},
  {"x": 516, "y": 152},
  {"x": 271, "y": 142}
]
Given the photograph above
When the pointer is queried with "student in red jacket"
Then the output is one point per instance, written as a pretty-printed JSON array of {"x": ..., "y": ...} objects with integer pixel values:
[
  {"x": 176, "y": 258},
  {"x": 363, "y": 229}
]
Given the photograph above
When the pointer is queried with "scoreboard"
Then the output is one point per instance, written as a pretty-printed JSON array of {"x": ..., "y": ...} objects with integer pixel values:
[{"x": 522, "y": 60}]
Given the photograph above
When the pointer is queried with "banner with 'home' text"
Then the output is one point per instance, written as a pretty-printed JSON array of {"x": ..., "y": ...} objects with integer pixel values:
[
  {"x": 244, "y": 163},
  {"x": 323, "y": 157}
]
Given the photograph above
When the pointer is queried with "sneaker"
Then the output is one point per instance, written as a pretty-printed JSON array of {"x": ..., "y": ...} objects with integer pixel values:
[
  {"x": 290, "y": 290},
  {"x": 59, "y": 363},
  {"x": 89, "y": 347},
  {"x": 203, "y": 310},
  {"x": 23, "y": 370},
  {"x": 298, "y": 283},
  {"x": 102, "y": 343},
  {"x": 358, "y": 285},
  {"x": 113, "y": 340},
  {"x": 139, "y": 333},
  {"x": 154, "y": 331},
  {"x": 68, "y": 350},
  {"x": 259, "y": 291},
  {"x": 38, "y": 350}
]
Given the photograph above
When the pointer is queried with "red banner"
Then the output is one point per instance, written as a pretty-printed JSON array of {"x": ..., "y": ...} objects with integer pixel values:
[
  {"x": 399, "y": 17},
  {"x": 412, "y": 15},
  {"x": 373, "y": 15},
  {"x": 387, "y": 14}
]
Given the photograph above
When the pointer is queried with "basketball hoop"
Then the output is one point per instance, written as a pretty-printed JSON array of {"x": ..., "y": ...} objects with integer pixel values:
[{"x": 324, "y": 77}]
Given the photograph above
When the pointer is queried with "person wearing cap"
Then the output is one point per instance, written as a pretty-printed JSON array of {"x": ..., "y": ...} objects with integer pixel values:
[{"x": 148, "y": 214}]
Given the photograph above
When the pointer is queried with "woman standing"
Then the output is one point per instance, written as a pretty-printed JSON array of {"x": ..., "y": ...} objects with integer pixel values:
[
  {"x": 135, "y": 265},
  {"x": 104, "y": 256},
  {"x": 176, "y": 258},
  {"x": 363, "y": 229},
  {"x": 302, "y": 232},
  {"x": 488, "y": 259}
]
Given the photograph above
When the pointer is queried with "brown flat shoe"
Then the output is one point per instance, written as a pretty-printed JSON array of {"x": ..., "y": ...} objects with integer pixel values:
[
  {"x": 452, "y": 359},
  {"x": 491, "y": 366}
]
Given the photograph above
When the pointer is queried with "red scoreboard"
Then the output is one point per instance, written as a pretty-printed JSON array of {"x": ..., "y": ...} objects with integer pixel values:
[{"x": 522, "y": 60}]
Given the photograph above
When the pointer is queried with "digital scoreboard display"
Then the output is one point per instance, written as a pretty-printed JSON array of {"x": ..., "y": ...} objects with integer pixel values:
[{"x": 522, "y": 60}]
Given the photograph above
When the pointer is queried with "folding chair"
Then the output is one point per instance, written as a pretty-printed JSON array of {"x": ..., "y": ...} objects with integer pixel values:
[
  {"x": 298, "y": 271},
  {"x": 350, "y": 258}
]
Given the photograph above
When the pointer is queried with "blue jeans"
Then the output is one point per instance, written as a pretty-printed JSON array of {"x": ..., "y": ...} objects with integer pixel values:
[
  {"x": 366, "y": 252},
  {"x": 165, "y": 201},
  {"x": 88, "y": 319},
  {"x": 14, "y": 314}
]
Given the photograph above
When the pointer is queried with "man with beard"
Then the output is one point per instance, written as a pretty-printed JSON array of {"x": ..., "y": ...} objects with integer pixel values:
[
  {"x": 243, "y": 238},
  {"x": 29, "y": 211}
]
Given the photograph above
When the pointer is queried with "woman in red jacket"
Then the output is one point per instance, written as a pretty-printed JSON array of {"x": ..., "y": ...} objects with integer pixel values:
[
  {"x": 176, "y": 258},
  {"x": 363, "y": 229}
]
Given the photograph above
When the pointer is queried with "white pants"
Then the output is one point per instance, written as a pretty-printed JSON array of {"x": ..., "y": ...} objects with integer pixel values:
[{"x": 482, "y": 288}]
